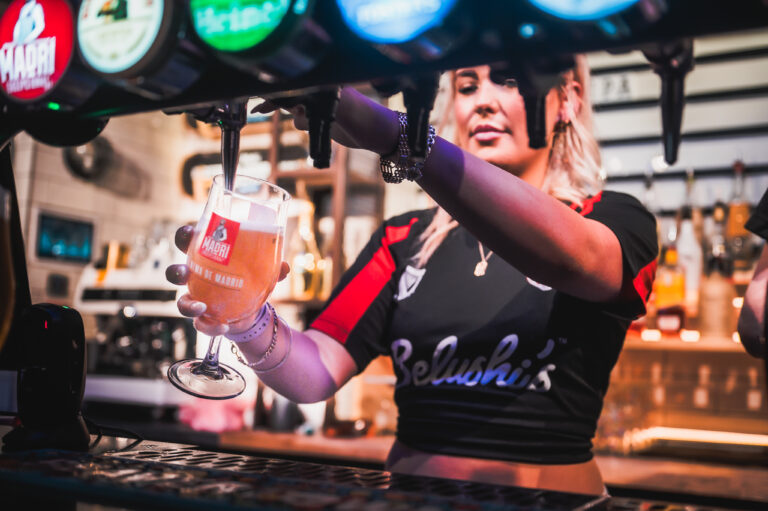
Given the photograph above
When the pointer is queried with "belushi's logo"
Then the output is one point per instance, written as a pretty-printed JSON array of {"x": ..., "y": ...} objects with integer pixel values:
[
  {"x": 29, "y": 61},
  {"x": 219, "y": 239}
]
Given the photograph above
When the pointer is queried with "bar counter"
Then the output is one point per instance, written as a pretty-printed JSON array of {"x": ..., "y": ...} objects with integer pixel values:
[
  {"x": 620, "y": 473},
  {"x": 250, "y": 472}
]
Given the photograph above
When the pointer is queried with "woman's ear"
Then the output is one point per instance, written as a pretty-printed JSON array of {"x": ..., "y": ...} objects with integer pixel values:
[{"x": 571, "y": 100}]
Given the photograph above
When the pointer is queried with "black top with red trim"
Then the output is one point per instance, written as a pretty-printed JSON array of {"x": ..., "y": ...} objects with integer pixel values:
[{"x": 498, "y": 366}]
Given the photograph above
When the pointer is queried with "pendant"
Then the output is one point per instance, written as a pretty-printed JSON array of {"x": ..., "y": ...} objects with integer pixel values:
[{"x": 480, "y": 268}]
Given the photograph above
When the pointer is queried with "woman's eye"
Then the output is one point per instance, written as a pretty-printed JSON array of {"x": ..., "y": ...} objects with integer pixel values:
[
  {"x": 511, "y": 83},
  {"x": 467, "y": 89}
]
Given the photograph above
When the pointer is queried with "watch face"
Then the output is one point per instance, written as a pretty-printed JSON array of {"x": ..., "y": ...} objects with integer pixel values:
[
  {"x": 36, "y": 42},
  {"x": 114, "y": 35},
  {"x": 582, "y": 10},
  {"x": 237, "y": 25},
  {"x": 393, "y": 21}
]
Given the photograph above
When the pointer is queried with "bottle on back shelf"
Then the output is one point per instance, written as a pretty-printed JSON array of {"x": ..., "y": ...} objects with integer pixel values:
[
  {"x": 717, "y": 315},
  {"x": 669, "y": 292},
  {"x": 737, "y": 236},
  {"x": 691, "y": 258}
]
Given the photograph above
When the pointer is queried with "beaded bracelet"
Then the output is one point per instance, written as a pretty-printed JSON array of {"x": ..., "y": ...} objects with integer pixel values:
[{"x": 403, "y": 166}]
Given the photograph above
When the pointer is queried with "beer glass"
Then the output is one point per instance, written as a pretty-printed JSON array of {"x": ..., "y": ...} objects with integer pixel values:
[
  {"x": 7, "y": 281},
  {"x": 234, "y": 262}
]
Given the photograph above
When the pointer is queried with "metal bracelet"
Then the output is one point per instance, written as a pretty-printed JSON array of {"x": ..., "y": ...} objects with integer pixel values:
[
  {"x": 403, "y": 166},
  {"x": 282, "y": 361},
  {"x": 270, "y": 348}
]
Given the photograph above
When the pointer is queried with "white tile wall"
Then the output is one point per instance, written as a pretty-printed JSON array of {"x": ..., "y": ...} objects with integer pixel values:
[{"x": 150, "y": 148}]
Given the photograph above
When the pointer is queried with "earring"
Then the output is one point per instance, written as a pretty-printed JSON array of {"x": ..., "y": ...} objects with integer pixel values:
[{"x": 561, "y": 127}]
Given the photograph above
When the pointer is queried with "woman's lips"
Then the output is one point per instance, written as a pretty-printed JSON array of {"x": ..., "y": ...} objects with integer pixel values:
[{"x": 486, "y": 133}]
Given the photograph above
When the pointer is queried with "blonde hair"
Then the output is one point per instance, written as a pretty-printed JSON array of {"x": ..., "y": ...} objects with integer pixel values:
[{"x": 573, "y": 170}]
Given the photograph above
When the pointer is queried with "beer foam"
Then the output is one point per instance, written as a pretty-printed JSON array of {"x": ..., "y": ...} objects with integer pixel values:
[
  {"x": 262, "y": 214},
  {"x": 267, "y": 228}
]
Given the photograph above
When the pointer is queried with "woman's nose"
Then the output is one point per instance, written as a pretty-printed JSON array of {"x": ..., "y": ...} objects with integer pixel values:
[{"x": 486, "y": 99}]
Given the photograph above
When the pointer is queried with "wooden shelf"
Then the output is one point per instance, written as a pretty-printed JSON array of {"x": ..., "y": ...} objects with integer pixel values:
[
  {"x": 341, "y": 181},
  {"x": 673, "y": 342},
  {"x": 325, "y": 177}
]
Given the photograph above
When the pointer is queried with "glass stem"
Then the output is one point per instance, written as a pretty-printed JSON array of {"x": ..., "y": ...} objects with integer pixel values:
[{"x": 210, "y": 364}]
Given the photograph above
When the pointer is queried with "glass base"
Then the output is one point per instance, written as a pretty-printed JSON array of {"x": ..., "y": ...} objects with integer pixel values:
[{"x": 192, "y": 377}]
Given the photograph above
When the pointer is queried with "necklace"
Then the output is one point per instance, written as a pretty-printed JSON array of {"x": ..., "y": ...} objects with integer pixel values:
[{"x": 482, "y": 265}]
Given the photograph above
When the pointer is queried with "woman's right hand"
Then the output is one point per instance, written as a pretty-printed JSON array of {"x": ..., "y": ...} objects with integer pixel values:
[{"x": 179, "y": 274}]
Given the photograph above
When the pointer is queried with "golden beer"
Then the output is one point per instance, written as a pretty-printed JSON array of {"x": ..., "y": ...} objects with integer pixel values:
[
  {"x": 234, "y": 262},
  {"x": 240, "y": 276}
]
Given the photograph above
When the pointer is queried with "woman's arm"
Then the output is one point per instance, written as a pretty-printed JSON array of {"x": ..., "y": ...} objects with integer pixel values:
[
  {"x": 536, "y": 233},
  {"x": 315, "y": 366},
  {"x": 751, "y": 325}
]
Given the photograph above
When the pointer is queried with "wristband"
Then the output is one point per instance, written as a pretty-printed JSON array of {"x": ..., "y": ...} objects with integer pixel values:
[{"x": 258, "y": 327}]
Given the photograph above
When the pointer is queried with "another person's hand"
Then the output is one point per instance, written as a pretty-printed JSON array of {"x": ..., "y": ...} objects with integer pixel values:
[{"x": 179, "y": 274}]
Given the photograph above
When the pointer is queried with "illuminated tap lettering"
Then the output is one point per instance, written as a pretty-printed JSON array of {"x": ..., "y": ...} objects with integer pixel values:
[{"x": 35, "y": 47}]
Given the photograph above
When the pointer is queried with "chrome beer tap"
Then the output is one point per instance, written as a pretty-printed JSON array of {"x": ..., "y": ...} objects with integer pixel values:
[{"x": 230, "y": 117}]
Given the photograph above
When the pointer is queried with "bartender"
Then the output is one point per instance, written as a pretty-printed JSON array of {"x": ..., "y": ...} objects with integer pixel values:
[
  {"x": 751, "y": 326},
  {"x": 504, "y": 308}
]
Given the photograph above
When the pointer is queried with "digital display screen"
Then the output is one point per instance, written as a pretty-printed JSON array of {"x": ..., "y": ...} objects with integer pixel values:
[{"x": 64, "y": 239}]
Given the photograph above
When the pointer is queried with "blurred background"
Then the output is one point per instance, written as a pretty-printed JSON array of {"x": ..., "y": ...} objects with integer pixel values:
[{"x": 98, "y": 222}]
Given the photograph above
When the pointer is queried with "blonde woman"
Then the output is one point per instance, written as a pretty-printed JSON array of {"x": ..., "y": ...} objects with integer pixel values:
[{"x": 503, "y": 310}]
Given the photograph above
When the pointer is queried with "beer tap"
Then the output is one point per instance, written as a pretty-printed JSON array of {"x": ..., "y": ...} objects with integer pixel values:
[
  {"x": 419, "y": 98},
  {"x": 419, "y": 93},
  {"x": 534, "y": 81},
  {"x": 671, "y": 61},
  {"x": 321, "y": 112},
  {"x": 230, "y": 117}
]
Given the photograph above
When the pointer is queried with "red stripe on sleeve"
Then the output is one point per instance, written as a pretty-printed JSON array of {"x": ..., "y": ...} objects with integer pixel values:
[
  {"x": 643, "y": 281},
  {"x": 342, "y": 314}
]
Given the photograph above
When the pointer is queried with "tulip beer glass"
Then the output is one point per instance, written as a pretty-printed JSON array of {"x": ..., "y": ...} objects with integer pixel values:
[{"x": 234, "y": 262}]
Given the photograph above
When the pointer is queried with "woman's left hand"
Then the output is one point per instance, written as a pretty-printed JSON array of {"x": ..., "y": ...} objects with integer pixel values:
[{"x": 361, "y": 123}]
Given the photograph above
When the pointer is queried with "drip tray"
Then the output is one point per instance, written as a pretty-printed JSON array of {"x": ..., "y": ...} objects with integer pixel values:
[{"x": 190, "y": 457}]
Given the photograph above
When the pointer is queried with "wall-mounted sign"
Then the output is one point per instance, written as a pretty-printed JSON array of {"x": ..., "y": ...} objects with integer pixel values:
[
  {"x": 114, "y": 35},
  {"x": 393, "y": 21},
  {"x": 236, "y": 25},
  {"x": 36, "y": 41}
]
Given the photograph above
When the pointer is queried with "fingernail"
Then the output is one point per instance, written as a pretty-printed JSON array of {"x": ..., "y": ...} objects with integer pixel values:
[{"x": 198, "y": 307}]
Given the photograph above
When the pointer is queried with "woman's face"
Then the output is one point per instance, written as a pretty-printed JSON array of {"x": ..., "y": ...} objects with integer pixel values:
[{"x": 490, "y": 121}]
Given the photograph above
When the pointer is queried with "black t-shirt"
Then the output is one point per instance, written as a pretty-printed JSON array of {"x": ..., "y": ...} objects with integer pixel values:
[{"x": 497, "y": 366}]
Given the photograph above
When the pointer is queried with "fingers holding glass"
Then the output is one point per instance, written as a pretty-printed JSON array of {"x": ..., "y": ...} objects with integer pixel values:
[{"x": 234, "y": 260}]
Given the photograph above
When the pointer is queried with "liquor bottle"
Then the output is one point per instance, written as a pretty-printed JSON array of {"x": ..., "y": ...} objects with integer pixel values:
[
  {"x": 669, "y": 292},
  {"x": 737, "y": 236},
  {"x": 717, "y": 316},
  {"x": 691, "y": 259}
]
